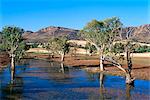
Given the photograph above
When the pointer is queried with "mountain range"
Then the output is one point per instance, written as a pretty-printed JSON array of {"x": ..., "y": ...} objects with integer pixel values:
[{"x": 140, "y": 33}]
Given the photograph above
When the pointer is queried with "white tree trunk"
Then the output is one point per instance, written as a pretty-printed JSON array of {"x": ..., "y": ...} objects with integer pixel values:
[
  {"x": 101, "y": 63},
  {"x": 62, "y": 56},
  {"x": 101, "y": 60},
  {"x": 12, "y": 67},
  {"x": 129, "y": 79}
]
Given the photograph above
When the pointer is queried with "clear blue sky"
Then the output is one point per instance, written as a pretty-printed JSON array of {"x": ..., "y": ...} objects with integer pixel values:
[{"x": 36, "y": 14}]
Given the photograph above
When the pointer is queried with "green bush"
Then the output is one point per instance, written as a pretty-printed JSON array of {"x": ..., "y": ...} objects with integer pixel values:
[
  {"x": 1, "y": 47},
  {"x": 118, "y": 48},
  {"x": 142, "y": 49},
  {"x": 34, "y": 45}
]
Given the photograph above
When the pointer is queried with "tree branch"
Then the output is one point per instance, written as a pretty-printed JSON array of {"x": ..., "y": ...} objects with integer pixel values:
[{"x": 109, "y": 59}]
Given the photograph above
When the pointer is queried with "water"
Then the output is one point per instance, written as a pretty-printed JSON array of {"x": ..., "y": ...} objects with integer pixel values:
[{"x": 43, "y": 80}]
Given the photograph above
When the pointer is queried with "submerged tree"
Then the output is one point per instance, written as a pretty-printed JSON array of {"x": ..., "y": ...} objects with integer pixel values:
[
  {"x": 13, "y": 44},
  {"x": 129, "y": 47},
  {"x": 102, "y": 34},
  {"x": 58, "y": 45}
]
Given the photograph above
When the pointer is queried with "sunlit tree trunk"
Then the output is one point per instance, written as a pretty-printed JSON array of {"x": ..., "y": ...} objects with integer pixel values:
[
  {"x": 12, "y": 67},
  {"x": 101, "y": 60},
  {"x": 62, "y": 56}
]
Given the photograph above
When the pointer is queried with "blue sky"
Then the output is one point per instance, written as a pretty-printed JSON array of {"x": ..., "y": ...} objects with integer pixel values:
[{"x": 36, "y": 14}]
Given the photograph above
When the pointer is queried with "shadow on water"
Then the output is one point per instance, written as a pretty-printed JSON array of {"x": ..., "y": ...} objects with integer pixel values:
[{"x": 43, "y": 80}]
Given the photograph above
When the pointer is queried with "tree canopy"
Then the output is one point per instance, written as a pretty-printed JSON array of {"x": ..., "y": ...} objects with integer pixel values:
[
  {"x": 12, "y": 41},
  {"x": 101, "y": 33},
  {"x": 58, "y": 45}
]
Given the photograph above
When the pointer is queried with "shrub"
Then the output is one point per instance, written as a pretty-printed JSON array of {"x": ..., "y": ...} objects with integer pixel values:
[{"x": 142, "y": 49}]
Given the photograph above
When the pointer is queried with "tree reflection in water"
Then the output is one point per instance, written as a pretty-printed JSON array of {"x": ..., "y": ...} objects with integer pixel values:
[
  {"x": 100, "y": 77},
  {"x": 13, "y": 91},
  {"x": 62, "y": 68},
  {"x": 60, "y": 80},
  {"x": 103, "y": 90},
  {"x": 128, "y": 91},
  {"x": 101, "y": 84},
  {"x": 0, "y": 88}
]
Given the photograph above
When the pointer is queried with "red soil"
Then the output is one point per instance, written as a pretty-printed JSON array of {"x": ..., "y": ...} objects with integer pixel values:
[
  {"x": 4, "y": 59},
  {"x": 140, "y": 69}
]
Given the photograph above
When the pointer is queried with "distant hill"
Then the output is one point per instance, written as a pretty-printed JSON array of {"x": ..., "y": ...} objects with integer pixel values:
[
  {"x": 44, "y": 34},
  {"x": 140, "y": 33}
]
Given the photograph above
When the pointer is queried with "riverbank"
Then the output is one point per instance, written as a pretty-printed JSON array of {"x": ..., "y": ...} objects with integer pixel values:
[
  {"x": 4, "y": 60},
  {"x": 141, "y": 65}
]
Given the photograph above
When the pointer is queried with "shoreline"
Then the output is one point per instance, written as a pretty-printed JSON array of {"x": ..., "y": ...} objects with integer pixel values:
[{"x": 141, "y": 65}]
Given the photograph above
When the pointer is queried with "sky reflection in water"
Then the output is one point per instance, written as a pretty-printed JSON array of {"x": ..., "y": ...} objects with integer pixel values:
[{"x": 43, "y": 80}]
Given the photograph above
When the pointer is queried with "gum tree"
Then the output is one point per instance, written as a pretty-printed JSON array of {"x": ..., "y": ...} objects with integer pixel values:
[
  {"x": 129, "y": 47},
  {"x": 102, "y": 34},
  {"x": 126, "y": 46},
  {"x": 12, "y": 43},
  {"x": 58, "y": 45}
]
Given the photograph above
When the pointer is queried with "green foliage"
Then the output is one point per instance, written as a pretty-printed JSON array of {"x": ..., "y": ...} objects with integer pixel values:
[
  {"x": 12, "y": 41},
  {"x": 34, "y": 45},
  {"x": 1, "y": 47},
  {"x": 58, "y": 45},
  {"x": 90, "y": 47},
  {"x": 134, "y": 48},
  {"x": 101, "y": 33},
  {"x": 142, "y": 49},
  {"x": 118, "y": 48}
]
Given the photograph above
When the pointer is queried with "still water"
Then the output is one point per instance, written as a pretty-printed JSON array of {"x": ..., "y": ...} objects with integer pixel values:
[{"x": 44, "y": 80}]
